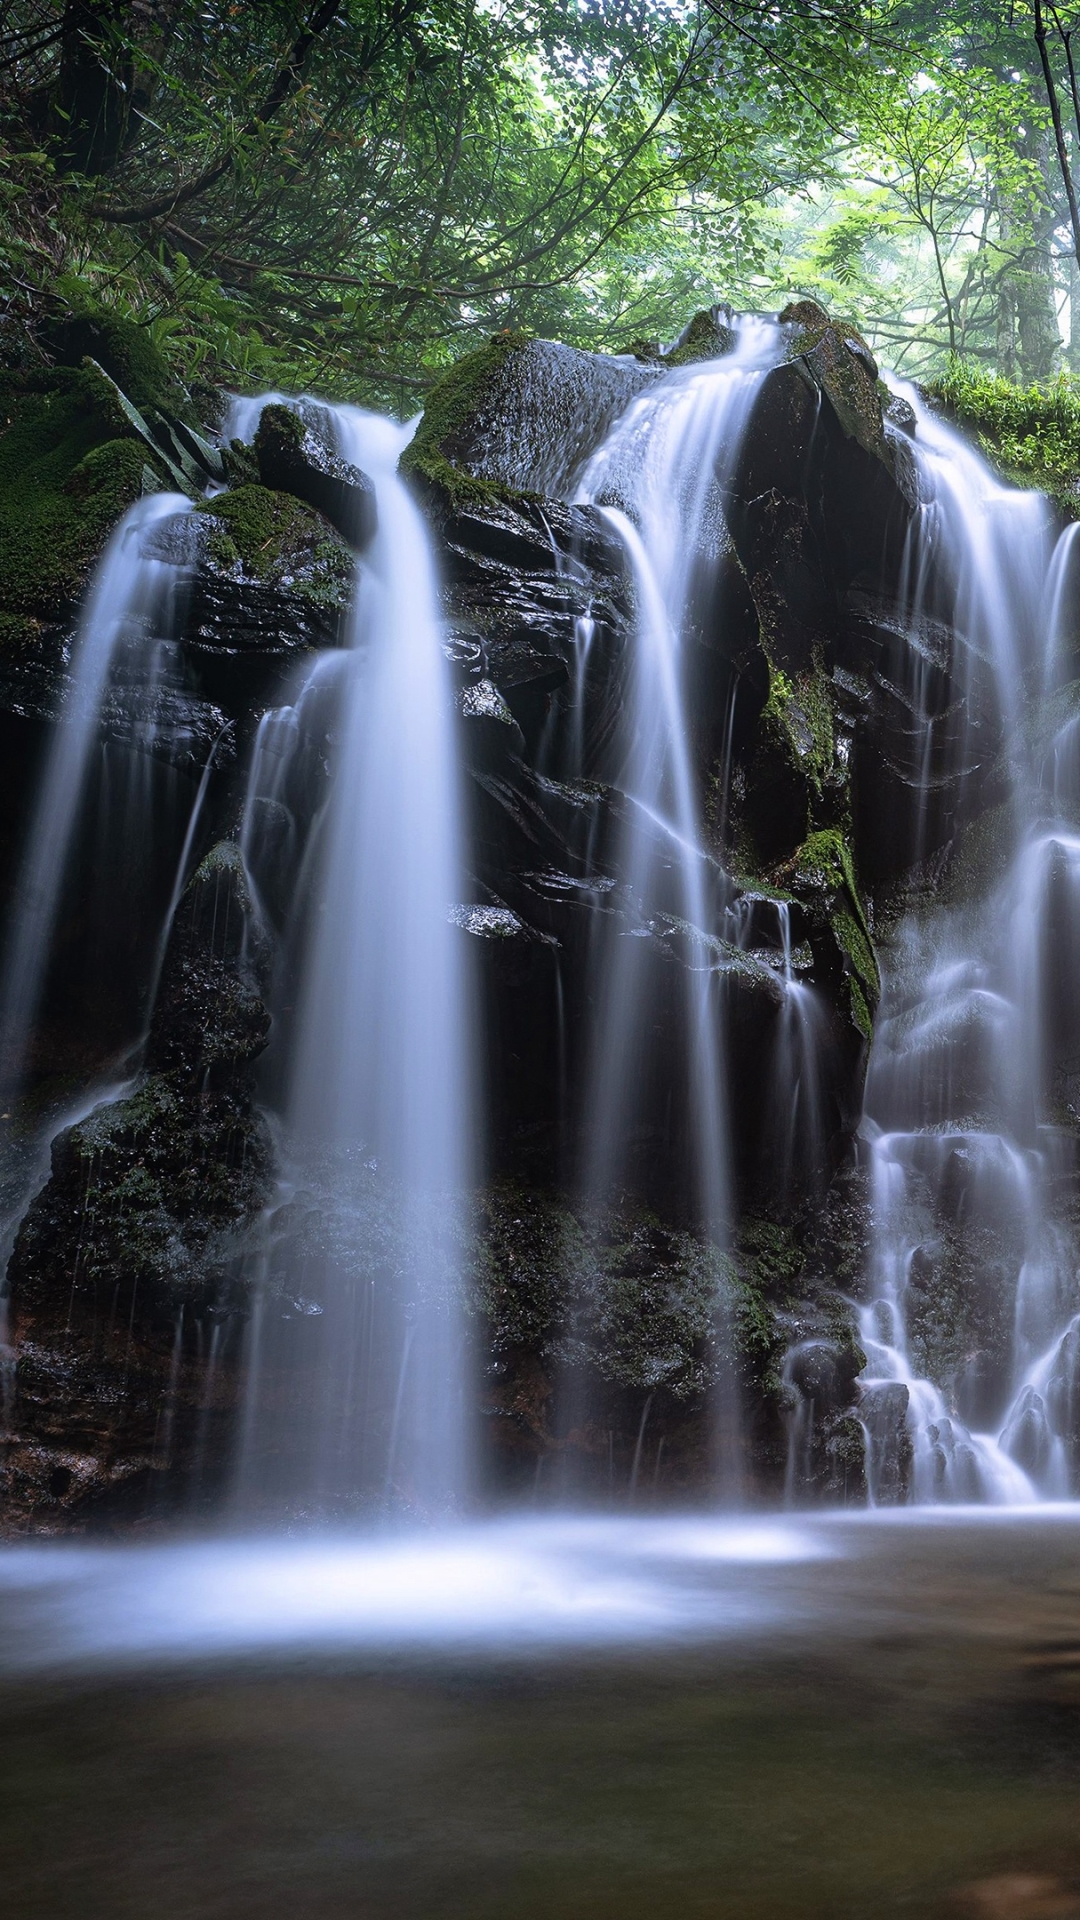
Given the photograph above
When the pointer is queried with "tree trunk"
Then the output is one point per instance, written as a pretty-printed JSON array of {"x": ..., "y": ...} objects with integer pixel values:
[{"x": 1028, "y": 335}]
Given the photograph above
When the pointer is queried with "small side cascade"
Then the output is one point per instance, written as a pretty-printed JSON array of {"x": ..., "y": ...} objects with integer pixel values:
[
  {"x": 131, "y": 606},
  {"x": 659, "y": 479},
  {"x": 353, "y": 841},
  {"x": 796, "y": 1119},
  {"x": 970, "y": 1058},
  {"x": 916, "y": 1443}
]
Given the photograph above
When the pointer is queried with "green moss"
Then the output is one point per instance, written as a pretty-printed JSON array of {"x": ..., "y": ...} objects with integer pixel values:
[
  {"x": 154, "y": 1188},
  {"x": 848, "y": 378},
  {"x": 275, "y": 537},
  {"x": 435, "y": 451},
  {"x": 285, "y": 422},
  {"x": 706, "y": 338},
  {"x": 1032, "y": 434},
  {"x": 69, "y": 467},
  {"x": 19, "y": 633},
  {"x": 617, "y": 1292},
  {"x": 126, "y": 352},
  {"x": 823, "y": 865},
  {"x": 799, "y": 714}
]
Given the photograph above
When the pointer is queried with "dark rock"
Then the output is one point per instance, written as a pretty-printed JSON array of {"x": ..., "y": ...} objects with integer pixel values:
[
  {"x": 901, "y": 414},
  {"x": 491, "y": 732},
  {"x": 883, "y": 1412},
  {"x": 708, "y": 336},
  {"x": 292, "y": 459},
  {"x": 519, "y": 415},
  {"x": 270, "y": 576},
  {"x": 142, "y": 1223}
]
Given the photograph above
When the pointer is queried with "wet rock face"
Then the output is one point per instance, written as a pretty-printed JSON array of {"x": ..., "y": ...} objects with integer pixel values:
[
  {"x": 810, "y": 690},
  {"x": 522, "y": 415},
  {"x": 293, "y": 460},
  {"x": 131, "y": 1256}
]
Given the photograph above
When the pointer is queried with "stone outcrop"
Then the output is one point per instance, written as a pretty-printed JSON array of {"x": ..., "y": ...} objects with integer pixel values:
[
  {"x": 293, "y": 460},
  {"x": 131, "y": 1256},
  {"x": 809, "y": 684},
  {"x": 520, "y": 415}
]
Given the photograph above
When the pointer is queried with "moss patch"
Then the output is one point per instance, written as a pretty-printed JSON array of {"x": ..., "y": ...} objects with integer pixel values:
[
  {"x": 126, "y": 352},
  {"x": 274, "y": 537},
  {"x": 823, "y": 868},
  {"x": 793, "y": 781},
  {"x": 154, "y": 1189},
  {"x": 434, "y": 453},
  {"x": 1032, "y": 434},
  {"x": 706, "y": 338},
  {"x": 617, "y": 1293},
  {"x": 799, "y": 714},
  {"x": 69, "y": 467},
  {"x": 841, "y": 363}
]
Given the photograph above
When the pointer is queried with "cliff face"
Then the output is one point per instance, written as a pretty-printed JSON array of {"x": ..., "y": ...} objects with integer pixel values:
[{"x": 130, "y": 1282}]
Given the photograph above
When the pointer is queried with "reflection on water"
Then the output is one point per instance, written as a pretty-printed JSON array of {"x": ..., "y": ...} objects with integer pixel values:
[{"x": 837, "y": 1716}]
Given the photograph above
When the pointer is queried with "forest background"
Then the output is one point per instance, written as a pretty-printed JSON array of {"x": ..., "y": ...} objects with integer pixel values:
[{"x": 347, "y": 194}]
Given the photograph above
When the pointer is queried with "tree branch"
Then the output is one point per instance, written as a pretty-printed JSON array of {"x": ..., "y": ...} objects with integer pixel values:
[{"x": 285, "y": 80}]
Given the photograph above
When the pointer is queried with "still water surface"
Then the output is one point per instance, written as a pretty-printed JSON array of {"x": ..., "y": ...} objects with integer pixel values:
[{"x": 596, "y": 1719}]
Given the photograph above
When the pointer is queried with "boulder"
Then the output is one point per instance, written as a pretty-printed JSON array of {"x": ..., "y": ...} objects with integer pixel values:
[
  {"x": 269, "y": 579},
  {"x": 293, "y": 459},
  {"x": 521, "y": 416}
]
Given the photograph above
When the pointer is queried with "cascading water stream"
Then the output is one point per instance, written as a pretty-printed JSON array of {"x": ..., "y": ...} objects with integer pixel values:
[
  {"x": 129, "y": 614},
  {"x": 354, "y": 792},
  {"x": 128, "y": 607},
  {"x": 659, "y": 478},
  {"x": 960, "y": 1092}
]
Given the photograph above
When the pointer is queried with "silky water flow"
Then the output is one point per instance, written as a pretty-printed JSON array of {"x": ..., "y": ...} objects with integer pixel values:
[
  {"x": 352, "y": 839},
  {"x": 965, "y": 1157},
  {"x": 109, "y": 814},
  {"x": 659, "y": 479}
]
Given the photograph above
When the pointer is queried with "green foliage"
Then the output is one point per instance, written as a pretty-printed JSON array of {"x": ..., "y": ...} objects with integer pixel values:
[
  {"x": 69, "y": 466},
  {"x": 342, "y": 210},
  {"x": 1031, "y": 433}
]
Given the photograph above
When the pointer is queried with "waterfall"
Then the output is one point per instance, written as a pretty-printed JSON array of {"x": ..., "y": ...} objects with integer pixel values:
[
  {"x": 128, "y": 608},
  {"x": 659, "y": 478},
  {"x": 962, "y": 1092},
  {"x": 119, "y": 648},
  {"x": 354, "y": 799}
]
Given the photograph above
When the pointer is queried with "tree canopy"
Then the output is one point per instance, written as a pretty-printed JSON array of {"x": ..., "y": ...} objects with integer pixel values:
[{"x": 336, "y": 192}]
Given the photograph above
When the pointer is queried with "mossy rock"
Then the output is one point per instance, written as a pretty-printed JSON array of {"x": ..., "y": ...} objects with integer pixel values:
[
  {"x": 616, "y": 1292},
  {"x": 70, "y": 465},
  {"x": 127, "y": 353},
  {"x": 438, "y": 451},
  {"x": 823, "y": 878},
  {"x": 822, "y": 874},
  {"x": 708, "y": 336},
  {"x": 157, "y": 1188},
  {"x": 842, "y": 365},
  {"x": 1030, "y": 434},
  {"x": 792, "y": 780},
  {"x": 259, "y": 535},
  {"x": 518, "y": 416}
]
